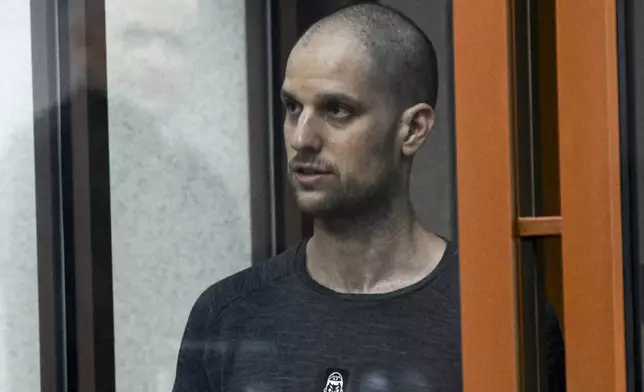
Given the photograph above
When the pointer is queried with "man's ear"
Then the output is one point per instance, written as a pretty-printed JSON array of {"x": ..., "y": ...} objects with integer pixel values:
[{"x": 417, "y": 122}]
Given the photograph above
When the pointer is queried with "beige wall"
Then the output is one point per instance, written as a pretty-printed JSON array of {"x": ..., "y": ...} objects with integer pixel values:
[{"x": 179, "y": 171}]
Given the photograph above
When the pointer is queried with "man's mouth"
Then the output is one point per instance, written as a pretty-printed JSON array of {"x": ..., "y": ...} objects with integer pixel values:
[
  {"x": 309, "y": 175},
  {"x": 310, "y": 171}
]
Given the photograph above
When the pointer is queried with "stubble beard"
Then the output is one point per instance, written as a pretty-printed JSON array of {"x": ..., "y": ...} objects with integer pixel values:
[{"x": 352, "y": 200}]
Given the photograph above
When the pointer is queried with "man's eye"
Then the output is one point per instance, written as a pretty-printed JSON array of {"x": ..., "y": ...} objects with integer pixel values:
[
  {"x": 292, "y": 107},
  {"x": 339, "y": 112}
]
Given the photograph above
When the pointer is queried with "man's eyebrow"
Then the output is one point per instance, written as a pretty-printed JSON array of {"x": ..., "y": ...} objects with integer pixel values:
[
  {"x": 324, "y": 96},
  {"x": 286, "y": 95},
  {"x": 337, "y": 96}
]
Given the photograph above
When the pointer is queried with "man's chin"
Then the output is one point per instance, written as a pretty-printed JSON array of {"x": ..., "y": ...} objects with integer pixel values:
[
  {"x": 313, "y": 210},
  {"x": 323, "y": 209},
  {"x": 316, "y": 207}
]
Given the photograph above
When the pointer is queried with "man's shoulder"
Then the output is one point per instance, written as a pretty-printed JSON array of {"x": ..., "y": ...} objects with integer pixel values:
[
  {"x": 446, "y": 279},
  {"x": 253, "y": 279}
]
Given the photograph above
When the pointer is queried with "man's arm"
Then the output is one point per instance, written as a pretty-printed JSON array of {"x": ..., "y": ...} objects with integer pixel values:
[{"x": 191, "y": 374}]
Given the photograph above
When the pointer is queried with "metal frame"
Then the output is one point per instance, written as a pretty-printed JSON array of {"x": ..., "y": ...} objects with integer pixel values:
[
  {"x": 72, "y": 193},
  {"x": 628, "y": 12},
  {"x": 73, "y": 185},
  {"x": 51, "y": 298},
  {"x": 261, "y": 133},
  {"x": 283, "y": 34},
  {"x": 90, "y": 249}
]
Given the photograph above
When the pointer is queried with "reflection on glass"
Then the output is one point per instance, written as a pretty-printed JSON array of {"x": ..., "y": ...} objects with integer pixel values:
[
  {"x": 542, "y": 347},
  {"x": 19, "y": 339},
  {"x": 371, "y": 301}
]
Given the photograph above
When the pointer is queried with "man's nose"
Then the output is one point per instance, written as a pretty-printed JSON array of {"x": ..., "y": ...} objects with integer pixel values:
[{"x": 306, "y": 134}]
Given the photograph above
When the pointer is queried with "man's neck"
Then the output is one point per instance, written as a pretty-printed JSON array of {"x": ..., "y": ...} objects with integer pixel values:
[{"x": 379, "y": 253}]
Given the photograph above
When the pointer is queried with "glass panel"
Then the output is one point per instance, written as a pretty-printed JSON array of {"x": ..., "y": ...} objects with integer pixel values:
[
  {"x": 537, "y": 172},
  {"x": 192, "y": 154},
  {"x": 543, "y": 356},
  {"x": 19, "y": 337},
  {"x": 536, "y": 108},
  {"x": 182, "y": 190},
  {"x": 179, "y": 168}
]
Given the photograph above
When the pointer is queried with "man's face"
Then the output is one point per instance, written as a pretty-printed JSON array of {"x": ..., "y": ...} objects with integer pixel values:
[{"x": 339, "y": 132}]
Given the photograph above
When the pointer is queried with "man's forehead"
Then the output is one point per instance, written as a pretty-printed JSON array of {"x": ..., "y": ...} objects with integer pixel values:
[
  {"x": 337, "y": 64},
  {"x": 327, "y": 50},
  {"x": 317, "y": 88}
]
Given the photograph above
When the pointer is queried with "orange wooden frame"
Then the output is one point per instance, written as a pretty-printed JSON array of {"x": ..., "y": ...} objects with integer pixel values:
[
  {"x": 590, "y": 196},
  {"x": 590, "y": 222},
  {"x": 539, "y": 226},
  {"x": 485, "y": 201}
]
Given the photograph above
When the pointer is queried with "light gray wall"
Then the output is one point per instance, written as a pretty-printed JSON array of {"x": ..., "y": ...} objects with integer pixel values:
[
  {"x": 178, "y": 123},
  {"x": 433, "y": 183},
  {"x": 19, "y": 344}
]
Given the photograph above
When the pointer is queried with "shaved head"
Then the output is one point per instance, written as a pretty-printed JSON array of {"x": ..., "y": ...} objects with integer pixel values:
[
  {"x": 358, "y": 93},
  {"x": 402, "y": 60}
]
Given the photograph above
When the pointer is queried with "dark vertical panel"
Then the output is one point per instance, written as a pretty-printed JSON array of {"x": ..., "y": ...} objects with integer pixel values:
[
  {"x": 547, "y": 150},
  {"x": 51, "y": 299},
  {"x": 526, "y": 105},
  {"x": 536, "y": 108},
  {"x": 65, "y": 180},
  {"x": 547, "y": 137},
  {"x": 534, "y": 341},
  {"x": 536, "y": 179},
  {"x": 525, "y": 88},
  {"x": 631, "y": 86},
  {"x": 283, "y": 35},
  {"x": 260, "y": 131},
  {"x": 629, "y": 225},
  {"x": 87, "y": 194},
  {"x": 72, "y": 196}
]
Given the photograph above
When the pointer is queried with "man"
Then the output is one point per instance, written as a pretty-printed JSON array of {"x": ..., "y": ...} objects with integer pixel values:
[{"x": 371, "y": 301}]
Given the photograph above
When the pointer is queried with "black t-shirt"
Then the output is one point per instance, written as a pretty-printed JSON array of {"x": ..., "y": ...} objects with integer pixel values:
[{"x": 273, "y": 328}]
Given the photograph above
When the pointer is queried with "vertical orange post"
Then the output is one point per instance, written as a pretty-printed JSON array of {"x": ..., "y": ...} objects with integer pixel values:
[
  {"x": 590, "y": 196},
  {"x": 485, "y": 196}
]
